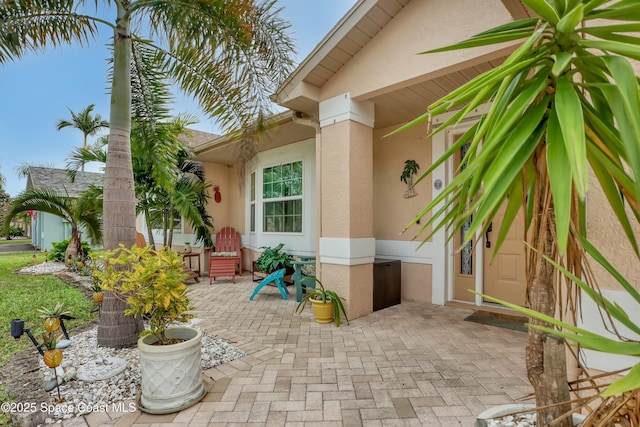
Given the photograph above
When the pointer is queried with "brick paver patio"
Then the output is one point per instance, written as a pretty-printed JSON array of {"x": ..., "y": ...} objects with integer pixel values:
[{"x": 411, "y": 364}]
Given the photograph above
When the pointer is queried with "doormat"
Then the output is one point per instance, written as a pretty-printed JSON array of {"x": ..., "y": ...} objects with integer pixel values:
[{"x": 517, "y": 323}]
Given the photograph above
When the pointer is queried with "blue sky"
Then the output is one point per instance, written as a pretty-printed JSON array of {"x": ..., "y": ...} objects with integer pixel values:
[{"x": 36, "y": 91}]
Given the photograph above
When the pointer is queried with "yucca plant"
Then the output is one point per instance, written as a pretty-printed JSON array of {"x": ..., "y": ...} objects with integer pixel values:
[
  {"x": 324, "y": 296},
  {"x": 619, "y": 400},
  {"x": 565, "y": 100}
]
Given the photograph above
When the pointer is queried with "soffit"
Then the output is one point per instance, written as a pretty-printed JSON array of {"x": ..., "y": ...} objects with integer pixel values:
[
  {"x": 355, "y": 39},
  {"x": 227, "y": 150},
  {"x": 396, "y": 107},
  {"x": 365, "y": 19},
  {"x": 352, "y": 33}
]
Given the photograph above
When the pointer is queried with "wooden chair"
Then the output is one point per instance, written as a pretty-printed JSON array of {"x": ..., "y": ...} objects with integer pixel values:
[
  {"x": 141, "y": 242},
  {"x": 226, "y": 255}
]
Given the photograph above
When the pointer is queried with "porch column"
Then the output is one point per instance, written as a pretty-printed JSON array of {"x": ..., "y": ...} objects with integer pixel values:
[{"x": 347, "y": 245}]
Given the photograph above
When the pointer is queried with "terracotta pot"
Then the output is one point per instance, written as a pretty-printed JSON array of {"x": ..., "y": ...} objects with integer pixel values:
[{"x": 324, "y": 312}]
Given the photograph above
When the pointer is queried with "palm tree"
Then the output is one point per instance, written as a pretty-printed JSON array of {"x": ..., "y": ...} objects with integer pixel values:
[
  {"x": 167, "y": 179},
  {"x": 4, "y": 202},
  {"x": 229, "y": 54},
  {"x": 186, "y": 198},
  {"x": 85, "y": 122},
  {"x": 566, "y": 98},
  {"x": 84, "y": 211}
]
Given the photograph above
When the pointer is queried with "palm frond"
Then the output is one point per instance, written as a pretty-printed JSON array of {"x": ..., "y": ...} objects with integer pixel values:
[
  {"x": 31, "y": 25},
  {"x": 229, "y": 55}
]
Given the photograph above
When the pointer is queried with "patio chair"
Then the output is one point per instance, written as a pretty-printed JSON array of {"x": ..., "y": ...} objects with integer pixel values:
[
  {"x": 275, "y": 277},
  {"x": 305, "y": 267},
  {"x": 226, "y": 256}
]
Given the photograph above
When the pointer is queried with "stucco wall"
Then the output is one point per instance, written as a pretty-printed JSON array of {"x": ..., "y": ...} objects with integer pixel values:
[
  {"x": 219, "y": 174},
  {"x": 605, "y": 232},
  {"x": 235, "y": 197},
  {"x": 346, "y": 180},
  {"x": 391, "y": 59},
  {"x": 392, "y": 211},
  {"x": 416, "y": 282}
]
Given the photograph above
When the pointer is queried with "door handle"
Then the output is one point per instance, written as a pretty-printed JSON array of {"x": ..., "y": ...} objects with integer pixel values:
[{"x": 487, "y": 242}]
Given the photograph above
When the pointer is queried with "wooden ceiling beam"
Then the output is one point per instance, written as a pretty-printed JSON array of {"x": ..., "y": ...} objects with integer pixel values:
[{"x": 517, "y": 9}]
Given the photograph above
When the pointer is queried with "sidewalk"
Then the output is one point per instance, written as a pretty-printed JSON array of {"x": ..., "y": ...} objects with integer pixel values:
[
  {"x": 17, "y": 247},
  {"x": 410, "y": 364}
]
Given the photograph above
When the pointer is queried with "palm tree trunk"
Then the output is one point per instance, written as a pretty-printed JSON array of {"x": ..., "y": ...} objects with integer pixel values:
[
  {"x": 172, "y": 214},
  {"x": 147, "y": 218},
  {"x": 74, "y": 248},
  {"x": 84, "y": 145},
  {"x": 545, "y": 357},
  {"x": 116, "y": 329}
]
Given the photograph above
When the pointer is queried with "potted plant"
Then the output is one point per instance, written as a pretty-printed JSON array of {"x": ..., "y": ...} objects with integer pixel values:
[
  {"x": 410, "y": 168},
  {"x": 152, "y": 284},
  {"x": 273, "y": 258},
  {"x": 327, "y": 304}
]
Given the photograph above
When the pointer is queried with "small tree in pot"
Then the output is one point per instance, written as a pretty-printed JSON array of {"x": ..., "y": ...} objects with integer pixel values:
[{"x": 152, "y": 284}]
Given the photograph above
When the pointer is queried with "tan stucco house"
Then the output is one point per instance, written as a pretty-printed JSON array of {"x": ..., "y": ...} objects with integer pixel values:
[{"x": 326, "y": 181}]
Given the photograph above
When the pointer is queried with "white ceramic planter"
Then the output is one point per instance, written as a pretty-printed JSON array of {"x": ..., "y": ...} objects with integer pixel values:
[{"x": 171, "y": 374}]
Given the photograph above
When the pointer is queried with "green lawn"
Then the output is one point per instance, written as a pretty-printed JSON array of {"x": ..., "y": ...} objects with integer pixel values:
[{"x": 21, "y": 296}]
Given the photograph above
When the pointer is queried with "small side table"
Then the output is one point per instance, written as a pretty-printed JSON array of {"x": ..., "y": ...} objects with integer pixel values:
[{"x": 188, "y": 261}]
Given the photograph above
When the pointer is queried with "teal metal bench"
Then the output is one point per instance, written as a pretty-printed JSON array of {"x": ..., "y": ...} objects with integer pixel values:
[
  {"x": 299, "y": 276},
  {"x": 275, "y": 277}
]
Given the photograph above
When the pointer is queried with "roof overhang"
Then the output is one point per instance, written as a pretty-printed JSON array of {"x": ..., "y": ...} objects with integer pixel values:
[
  {"x": 282, "y": 130},
  {"x": 301, "y": 90}
]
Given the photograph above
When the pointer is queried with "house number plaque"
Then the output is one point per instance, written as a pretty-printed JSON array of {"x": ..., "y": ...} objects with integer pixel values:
[{"x": 437, "y": 184}]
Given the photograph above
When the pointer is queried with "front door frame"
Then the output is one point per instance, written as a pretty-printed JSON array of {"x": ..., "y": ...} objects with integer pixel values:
[{"x": 442, "y": 267}]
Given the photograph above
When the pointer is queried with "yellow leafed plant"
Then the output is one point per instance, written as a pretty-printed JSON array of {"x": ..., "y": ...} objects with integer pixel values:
[{"x": 152, "y": 284}]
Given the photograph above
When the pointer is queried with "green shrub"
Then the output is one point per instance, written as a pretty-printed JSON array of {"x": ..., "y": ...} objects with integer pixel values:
[
  {"x": 59, "y": 248},
  {"x": 272, "y": 259},
  {"x": 16, "y": 231}
]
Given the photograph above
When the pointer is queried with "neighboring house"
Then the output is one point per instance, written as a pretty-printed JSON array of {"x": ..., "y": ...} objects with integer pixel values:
[
  {"x": 47, "y": 228},
  {"x": 327, "y": 183}
]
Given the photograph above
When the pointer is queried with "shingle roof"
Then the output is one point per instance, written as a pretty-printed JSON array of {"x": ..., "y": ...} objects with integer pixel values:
[
  {"x": 192, "y": 138},
  {"x": 57, "y": 180}
]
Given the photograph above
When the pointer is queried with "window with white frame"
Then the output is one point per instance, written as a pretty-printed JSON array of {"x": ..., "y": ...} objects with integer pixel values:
[
  {"x": 282, "y": 198},
  {"x": 252, "y": 203}
]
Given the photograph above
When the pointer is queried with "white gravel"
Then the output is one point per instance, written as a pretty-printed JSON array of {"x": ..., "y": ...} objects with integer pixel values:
[
  {"x": 522, "y": 420},
  {"x": 80, "y": 396},
  {"x": 44, "y": 268}
]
